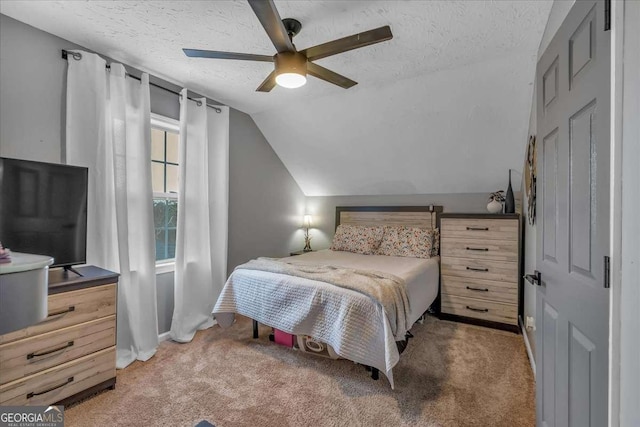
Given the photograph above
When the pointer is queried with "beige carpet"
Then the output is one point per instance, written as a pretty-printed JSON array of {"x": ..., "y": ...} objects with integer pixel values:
[{"x": 451, "y": 375}]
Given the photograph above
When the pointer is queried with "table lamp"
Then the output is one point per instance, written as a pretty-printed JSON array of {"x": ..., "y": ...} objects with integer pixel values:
[{"x": 306, "y": 224}]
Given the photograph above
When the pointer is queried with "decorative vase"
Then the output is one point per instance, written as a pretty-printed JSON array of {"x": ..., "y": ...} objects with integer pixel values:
[
  {"x": 494, "y": 206},
  {"x": 509, "y": 202}
]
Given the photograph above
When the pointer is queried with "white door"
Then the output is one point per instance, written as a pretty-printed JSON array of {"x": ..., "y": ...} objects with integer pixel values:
[{"x": 572, "y": 304}]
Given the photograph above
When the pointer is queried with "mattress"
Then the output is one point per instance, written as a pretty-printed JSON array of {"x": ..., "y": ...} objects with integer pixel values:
[{"x": 421, "y": 276}]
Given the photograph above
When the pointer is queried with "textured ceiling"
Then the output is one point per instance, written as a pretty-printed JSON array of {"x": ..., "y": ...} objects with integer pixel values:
[{"x": 455, "y": 73}]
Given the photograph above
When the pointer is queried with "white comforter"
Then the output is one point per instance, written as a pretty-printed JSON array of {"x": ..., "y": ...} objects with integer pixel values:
[{"x": 352, "y": 323}]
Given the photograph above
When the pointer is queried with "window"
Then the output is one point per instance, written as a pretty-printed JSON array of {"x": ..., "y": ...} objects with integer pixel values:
[{"x": 164, "y": 177}]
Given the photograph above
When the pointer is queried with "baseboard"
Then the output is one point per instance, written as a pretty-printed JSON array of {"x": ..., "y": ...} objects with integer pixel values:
[{"x": 532, "y": 361}]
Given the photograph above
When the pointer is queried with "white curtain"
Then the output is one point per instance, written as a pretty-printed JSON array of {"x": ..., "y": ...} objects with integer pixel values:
[
  {"x": 203, "y": 199},
  {"x": 108, "y": 131}
]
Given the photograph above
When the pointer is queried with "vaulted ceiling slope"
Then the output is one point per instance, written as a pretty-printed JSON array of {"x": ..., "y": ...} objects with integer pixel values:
[{"x": 442, "y": 107}]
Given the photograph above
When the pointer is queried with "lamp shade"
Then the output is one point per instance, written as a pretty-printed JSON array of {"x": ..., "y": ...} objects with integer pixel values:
[{"x": 306, "y": 221}]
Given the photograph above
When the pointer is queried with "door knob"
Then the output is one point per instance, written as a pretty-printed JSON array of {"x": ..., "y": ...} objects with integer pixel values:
[{"x": 535, "y": 278}]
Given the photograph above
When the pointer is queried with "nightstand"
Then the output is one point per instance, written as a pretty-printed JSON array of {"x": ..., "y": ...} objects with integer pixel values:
[{"x": 298, "y": 253}]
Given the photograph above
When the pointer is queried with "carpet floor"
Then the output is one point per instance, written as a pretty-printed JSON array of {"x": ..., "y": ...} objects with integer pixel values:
[{"x": 451, "y": 374}]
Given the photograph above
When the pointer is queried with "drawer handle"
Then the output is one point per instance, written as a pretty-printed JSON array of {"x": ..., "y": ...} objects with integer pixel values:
[
  {"x": 478, "y": 228},
  {"x": 61, "y": 312},
  {"x": 477, "y": 289},
  {"x": 478, "y": 249},
  {"x": 30, "y": 395},
  {"x": 478, "y": 269},
  {"x": 481, "y": 310},
  {"x": 44, "y": 353}
]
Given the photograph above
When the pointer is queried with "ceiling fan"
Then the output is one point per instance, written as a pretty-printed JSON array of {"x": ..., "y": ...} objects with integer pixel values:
[{"x": 291, "y": 65}]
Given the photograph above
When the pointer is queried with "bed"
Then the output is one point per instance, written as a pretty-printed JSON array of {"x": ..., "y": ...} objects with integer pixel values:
[{"x": 357, "y": 326}]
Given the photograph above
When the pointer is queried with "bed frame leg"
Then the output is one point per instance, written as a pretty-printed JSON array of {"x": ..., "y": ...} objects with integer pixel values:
[
  {"x": 375, "y": 373},
  {"x": 255, "y": 329}
]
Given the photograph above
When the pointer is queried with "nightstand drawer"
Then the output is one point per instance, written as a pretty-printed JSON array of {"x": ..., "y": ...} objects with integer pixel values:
[
  {"x": 19, "y": 359},
  {"x": 71, "y": 308},
  {"x": 480, "y": 309},
  {"x": 60, "y": 382},
  {"x": 481, "y": 289},
  {"x": 480, "y": 269},
  {"x": 499, "y": 250},
  {"x": 483, "y": 229}
]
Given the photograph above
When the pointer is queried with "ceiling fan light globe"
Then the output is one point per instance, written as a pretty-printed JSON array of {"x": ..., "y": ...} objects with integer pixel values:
[{"x": 291, "y": 80}]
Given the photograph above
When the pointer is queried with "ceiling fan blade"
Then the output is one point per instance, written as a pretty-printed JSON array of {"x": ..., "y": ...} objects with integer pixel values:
[
  {"x": 268, "y": 83},
  {"x": 329, "y": 76},
  {"x": 197, "y": 53},
  {"x": 269, "y": 17},
  {"x": 348, "y": 43}
]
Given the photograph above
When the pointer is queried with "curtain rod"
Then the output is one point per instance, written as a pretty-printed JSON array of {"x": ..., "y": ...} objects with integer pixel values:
[{"x": 78, "y": 56}]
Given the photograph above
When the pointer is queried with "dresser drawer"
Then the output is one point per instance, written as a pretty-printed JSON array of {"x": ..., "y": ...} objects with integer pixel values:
[
  {"x": 60, "y": 382},
  {"x": 502, "y": 271},
  {"x": 22, "y": 358},
  {"x": 499, "y": 250},
  {"x": 480, "y": 309},
  {"x": 483, "y": 229},
  {"x": 71, "y": 308},
  {"x": 480, "y": 289}
]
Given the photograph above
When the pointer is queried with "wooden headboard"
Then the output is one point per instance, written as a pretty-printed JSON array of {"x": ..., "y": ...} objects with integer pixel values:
[{"x": 410, "y": 216}]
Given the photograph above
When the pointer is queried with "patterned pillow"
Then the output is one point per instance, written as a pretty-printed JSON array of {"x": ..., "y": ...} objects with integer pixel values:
[
  {"x": 406, "y": 242},
  {"x": 357, "y": 239}
]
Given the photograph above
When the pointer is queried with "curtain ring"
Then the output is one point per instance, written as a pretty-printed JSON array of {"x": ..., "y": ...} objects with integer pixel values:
[
  {"x": 76, "y": 55},
  {"x": 199, "y": 103}
]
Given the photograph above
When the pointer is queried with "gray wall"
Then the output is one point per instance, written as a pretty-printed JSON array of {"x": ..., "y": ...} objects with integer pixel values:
[
  {"x": 264, "y": 200},
  {"x": 32, "y": 92},
  {"x": 164, "y": 299},
  {"x": 323, "y": 209},
  {"x": 265, "y": 203}
]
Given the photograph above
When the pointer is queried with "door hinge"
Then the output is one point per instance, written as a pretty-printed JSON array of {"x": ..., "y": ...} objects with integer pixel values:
[
  {"x": 607, "y": 272},
  {"x": 607, "y": 15}
]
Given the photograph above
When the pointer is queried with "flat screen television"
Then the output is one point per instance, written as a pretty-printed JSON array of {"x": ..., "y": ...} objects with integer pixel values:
[{"x": 43, "y": 210}]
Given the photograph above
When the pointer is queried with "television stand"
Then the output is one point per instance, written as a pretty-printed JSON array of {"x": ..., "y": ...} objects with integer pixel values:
[{"x": 68, "y": 268}]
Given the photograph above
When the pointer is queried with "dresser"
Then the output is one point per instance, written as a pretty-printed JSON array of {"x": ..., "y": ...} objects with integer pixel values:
[
  {"x": 72, "y": 353},
  {"x": 481, "y": 269}
]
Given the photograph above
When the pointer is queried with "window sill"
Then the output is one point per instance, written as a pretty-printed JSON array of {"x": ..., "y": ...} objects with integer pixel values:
[{"x": 165, "y": 267}]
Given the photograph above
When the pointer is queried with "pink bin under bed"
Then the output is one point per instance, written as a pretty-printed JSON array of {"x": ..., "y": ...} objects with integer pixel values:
[{"x": 283, "y": 338}]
